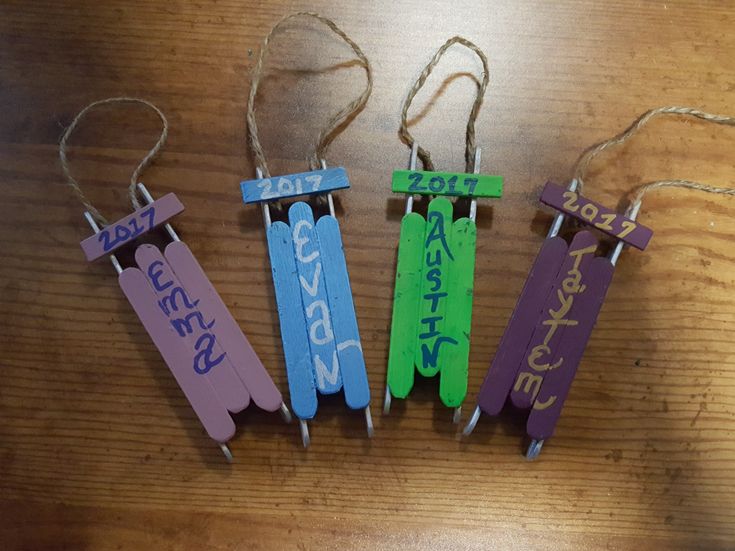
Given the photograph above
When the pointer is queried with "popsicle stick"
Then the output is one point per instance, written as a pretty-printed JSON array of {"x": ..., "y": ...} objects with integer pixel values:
[
  {"x": 177, "y": 355},
  {"x": 458, "y": 324},
  {"x": 511, "y": 350},
  {"x": 294, "y": 333},
  {"x": 406, "y": 302},
  {"x": 344, "y": 319},
  {"x": 227, "y": 332},
  {"x": 208, "y": 359},
  {"x": 555, "y": 317},
  {"x": 557, "y": 382},
  {"x": 604, "y": 219},
  {"x": 292, "y": 185},
  {"x": 114, "y": 236},
  {"x": 325, "y": 362},
  {"x": 422, "y": 182},
  {"x": 432, "y": 340}
]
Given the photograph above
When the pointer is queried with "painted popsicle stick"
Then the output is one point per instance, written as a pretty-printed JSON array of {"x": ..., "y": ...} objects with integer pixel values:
[
  {"x": 432, "y": 339},
  {"x": 596, "y": 215},
  {"x": 293, "y": 185},
  {"x": 132, "y": 226},
  {"x": 458, "y": 324},
  {"x": 555, "y": 388},
  {"x": 177, "y": 355},
  {"x": 227, "y": 332},
  {"x": 406, "y": 304},
  {"x": 344, "y": 319},
  {"x": 423, "y": 182},
  {"x": 294, "y": 333},
  {"x": 557, "y": 314},
  {"x": 208, "y": 359},
  {"x": 314, "y": 298},
  {"x": 511, "y": 350}
]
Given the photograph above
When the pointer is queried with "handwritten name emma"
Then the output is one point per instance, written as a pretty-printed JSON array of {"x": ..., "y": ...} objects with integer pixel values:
[{"x": 185, "y": 318}]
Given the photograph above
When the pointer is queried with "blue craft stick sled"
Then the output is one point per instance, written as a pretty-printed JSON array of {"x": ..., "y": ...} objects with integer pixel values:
[{"x": 319, "y": 331}]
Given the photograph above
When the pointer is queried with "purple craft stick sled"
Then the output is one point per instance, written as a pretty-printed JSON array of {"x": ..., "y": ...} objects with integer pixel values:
[
  {"x": 551, "y": 324},
  {"x": 200, "y": 341}
]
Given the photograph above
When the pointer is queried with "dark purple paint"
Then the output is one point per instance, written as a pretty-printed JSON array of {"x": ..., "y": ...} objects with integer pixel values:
[
  {"x": 557, "y": 382},
  {"x": 582, "y": 240},
  {"x": 510, "y": 353}
]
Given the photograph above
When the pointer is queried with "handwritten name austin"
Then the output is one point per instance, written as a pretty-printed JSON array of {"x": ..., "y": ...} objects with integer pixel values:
[{"x": 434, "y": 261}]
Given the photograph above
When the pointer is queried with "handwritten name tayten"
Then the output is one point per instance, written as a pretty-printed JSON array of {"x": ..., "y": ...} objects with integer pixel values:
[{"x": 540, "y": 357}]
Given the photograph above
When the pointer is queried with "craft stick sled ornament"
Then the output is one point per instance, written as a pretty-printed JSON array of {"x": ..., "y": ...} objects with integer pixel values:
[
  {"x": 548, "y": 331},
  {"x": 321, "y": 340},
  {"x": 432, "y": 300},
  {"x": 199, "y": 340}
]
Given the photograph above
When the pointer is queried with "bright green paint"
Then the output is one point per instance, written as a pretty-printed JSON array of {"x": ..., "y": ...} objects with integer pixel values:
[
  {"x": 433, "y": 300},
  {"x": 455, "y": 364},
  {"x": 457, "y": 184},
  {"x": 404, "y": 326}
]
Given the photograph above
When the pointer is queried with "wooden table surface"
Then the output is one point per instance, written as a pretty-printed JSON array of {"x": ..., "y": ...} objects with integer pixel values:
[{"x": 99, "y": 449}]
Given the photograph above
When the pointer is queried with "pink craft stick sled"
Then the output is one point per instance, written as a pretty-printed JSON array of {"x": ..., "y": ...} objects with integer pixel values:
[{"x": 200, "y": 341}]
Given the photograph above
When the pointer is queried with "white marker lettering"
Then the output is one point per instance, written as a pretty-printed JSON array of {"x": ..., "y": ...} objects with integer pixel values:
[
  {"x": 301, "y": 241},
  {"x": 322, "y": 372},
  {"x": 314, "y": 287},
  {"x": 323, "y": 322}
]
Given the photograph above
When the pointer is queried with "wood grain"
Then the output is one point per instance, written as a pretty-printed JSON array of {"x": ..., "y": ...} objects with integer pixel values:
[{"x": 100, "y": 450}]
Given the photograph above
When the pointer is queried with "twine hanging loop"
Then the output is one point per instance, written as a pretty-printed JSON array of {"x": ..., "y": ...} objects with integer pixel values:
[
  {"x": 334, "y": 124},
  {"x": 471, "y": 146},
  {"x": 144, "y": 163},
  {"x": 587, "y": 156}
]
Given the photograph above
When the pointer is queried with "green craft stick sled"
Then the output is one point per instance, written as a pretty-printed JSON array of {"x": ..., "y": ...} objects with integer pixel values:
[
  {"x": 432, "y": 301},
  {"x": 432, "y": 304}
]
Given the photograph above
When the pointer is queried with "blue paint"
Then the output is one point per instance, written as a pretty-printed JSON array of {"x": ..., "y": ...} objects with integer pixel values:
[
  {"x": 308, "y": 256},
  {"x": 346, "y": 331},
  {"x": 293, "y": 185},
  {"x": 294, "y": 334}
]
